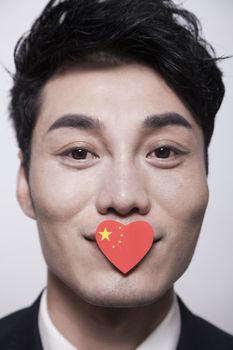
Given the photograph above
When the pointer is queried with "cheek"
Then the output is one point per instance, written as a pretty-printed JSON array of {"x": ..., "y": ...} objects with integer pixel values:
[
  {"x": 182, "y": 196},
  {"x": 180, "y": 201},
  {"x": 58, "y": 194},
  {"x": 188, "y": 201}
]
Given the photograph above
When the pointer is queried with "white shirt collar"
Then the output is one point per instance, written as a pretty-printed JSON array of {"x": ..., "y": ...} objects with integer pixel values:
[
  {"x": 51, "y": 338},
  {"x": 164, "y": 337}
]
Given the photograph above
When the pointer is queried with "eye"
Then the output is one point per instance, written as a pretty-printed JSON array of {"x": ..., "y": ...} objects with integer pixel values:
[
  {"x": 164, "y": 152},
  {"x": 79, "y": 154}
]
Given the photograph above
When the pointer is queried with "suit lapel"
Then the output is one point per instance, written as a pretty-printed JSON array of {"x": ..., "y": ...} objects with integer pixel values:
[
  {"x": 26, "y": 335},
  {"x": 192, "y": 336}
]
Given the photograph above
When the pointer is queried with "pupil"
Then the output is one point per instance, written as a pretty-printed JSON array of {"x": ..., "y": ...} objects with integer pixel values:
[
  {"x": 79, "y": 154},
  {"x": 162, "y": 152}
]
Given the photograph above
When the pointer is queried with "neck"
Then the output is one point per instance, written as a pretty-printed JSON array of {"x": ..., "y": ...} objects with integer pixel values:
[{"x": 88, "y": 326}]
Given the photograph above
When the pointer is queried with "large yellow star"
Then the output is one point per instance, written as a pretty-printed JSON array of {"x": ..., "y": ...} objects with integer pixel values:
[{"x": 105, "y": 234}]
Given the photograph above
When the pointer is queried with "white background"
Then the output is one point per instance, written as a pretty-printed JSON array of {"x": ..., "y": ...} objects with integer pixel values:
[{"x": 207, "y": 286}]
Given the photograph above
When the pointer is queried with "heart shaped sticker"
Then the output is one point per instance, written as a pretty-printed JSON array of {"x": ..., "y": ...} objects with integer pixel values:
[{"x": 124, "y": 245}]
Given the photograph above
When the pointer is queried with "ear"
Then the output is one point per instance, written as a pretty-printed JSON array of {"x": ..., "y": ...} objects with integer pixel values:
[{"x": 23, "y": 191}]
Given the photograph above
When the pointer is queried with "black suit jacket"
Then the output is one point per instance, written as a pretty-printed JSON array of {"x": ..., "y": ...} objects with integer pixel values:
[{"x": 19, "y": 331}]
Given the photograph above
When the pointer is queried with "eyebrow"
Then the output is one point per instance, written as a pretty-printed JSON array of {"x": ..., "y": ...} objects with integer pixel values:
[
  {"x": 165, "y": 119},
  {"x": 79, "y": 121},
  {"x": 156, "y": 121}
]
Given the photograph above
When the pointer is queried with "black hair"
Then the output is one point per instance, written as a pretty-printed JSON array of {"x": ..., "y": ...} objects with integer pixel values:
[{"x": 111, "y": 32}]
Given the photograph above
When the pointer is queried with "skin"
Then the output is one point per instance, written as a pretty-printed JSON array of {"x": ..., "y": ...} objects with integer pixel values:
[{"x": 122, "y": 178}]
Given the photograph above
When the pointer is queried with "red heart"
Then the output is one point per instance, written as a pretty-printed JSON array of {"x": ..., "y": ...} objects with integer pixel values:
[{"x": 124, "y": 245}]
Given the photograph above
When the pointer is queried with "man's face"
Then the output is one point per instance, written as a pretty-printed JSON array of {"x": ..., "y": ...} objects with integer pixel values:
[{"x": 123, "y": 170}]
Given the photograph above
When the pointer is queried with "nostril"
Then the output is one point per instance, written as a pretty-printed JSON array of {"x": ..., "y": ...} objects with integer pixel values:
[{"x": 123, "y": 211}]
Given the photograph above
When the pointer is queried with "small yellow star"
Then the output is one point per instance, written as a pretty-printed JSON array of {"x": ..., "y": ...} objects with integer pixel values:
[{"x": 105, "y": 234}]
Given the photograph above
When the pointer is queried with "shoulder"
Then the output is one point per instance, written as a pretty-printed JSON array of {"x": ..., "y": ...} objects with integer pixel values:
[
  {"x": 9, "y": 323},
  {"x": 19, "y": 327},
  {"x": 197, "y": 333},
  {"x": 216, "y": 337}
]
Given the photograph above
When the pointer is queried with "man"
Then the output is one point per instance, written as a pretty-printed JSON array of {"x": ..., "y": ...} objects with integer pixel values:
[{"x": 113, "y": 105}]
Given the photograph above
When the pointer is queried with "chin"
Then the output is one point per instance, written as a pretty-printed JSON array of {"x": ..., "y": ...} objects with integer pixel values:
[
  {"x": 118, "y": 291},
  {"x": 119, "y": 300}
]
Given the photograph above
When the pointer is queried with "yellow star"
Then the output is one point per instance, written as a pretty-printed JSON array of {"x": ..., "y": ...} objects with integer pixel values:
[{"x": 105, "y": 234}]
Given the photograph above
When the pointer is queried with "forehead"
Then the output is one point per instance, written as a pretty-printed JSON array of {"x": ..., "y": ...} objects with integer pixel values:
[{"x": 116, "y": 96}]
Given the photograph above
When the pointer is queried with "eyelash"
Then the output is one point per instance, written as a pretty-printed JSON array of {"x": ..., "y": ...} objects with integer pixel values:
[
  {"x": 168, "y": 148},
  {"x": 70, "y": 151}
]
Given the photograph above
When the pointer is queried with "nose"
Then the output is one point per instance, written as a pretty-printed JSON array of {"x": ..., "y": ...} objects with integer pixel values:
[{"x": 123, "y": 191}]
